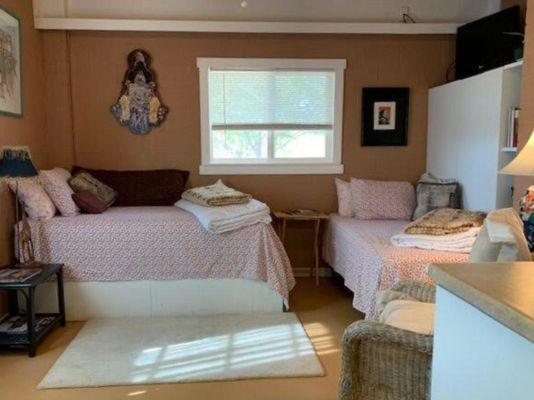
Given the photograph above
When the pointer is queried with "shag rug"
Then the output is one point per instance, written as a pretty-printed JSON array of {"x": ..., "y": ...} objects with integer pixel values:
[{"x": 134, "y": 351}]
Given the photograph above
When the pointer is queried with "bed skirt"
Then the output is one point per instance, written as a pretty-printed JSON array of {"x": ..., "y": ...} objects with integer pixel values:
[{"x": 87, "y": 300}]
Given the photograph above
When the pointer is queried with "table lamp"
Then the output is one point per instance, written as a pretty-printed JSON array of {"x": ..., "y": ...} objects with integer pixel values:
[
  {"x": 523, "y": 165},
  {"x": 15, "y": 162}
]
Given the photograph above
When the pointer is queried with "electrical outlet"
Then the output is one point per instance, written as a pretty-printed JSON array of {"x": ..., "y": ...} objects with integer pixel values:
[{"x": 404, "y": 11}]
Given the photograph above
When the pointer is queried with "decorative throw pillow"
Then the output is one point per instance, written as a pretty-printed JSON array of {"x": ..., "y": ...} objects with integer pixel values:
[
  {"x": 435, "y": 193},
  {"x": 382, "y": 199},
  {"x": 37, "y": 204},
  {"x": 89, "y": 203},
  {"x": 55, "y": 182},
  {"x": 85, "y": 181},
  {"x": 344, "y": 198}
]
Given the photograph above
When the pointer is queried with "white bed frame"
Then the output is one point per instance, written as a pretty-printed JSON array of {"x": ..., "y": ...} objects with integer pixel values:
[{"x": 86, "y": 300}]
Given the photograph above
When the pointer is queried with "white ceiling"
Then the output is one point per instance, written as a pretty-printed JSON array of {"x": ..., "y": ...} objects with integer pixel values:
[{"x": 269, "y": 10}]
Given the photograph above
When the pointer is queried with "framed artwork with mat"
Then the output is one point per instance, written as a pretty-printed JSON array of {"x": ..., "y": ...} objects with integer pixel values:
[
  {"x": 385, "y": 116},
  {"x": 10, "y": 65}
]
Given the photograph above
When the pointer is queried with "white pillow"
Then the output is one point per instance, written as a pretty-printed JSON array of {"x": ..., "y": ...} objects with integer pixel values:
[
  {"x": 344, "y": 198},
  {"x": 414, "y": 316},
  {"x": 37, "y": 204},
  {"x": 55, "y": 182}
]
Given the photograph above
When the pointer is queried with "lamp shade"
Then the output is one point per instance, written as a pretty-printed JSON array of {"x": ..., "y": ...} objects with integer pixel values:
[
  {"x": 15, "y": 162},
  {"x": 523, "y": 163}
]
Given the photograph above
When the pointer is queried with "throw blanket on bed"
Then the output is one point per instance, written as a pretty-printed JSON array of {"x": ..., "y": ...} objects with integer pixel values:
[
  {"x": 228, "y": 218},
  {"x": 445, "y": 221},
  {"x": 216, "y": 195},
  {"x": 455, "y": 242}
]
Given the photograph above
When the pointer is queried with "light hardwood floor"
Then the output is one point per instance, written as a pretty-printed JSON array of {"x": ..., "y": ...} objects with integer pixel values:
[{"x": 325, "y": 312}]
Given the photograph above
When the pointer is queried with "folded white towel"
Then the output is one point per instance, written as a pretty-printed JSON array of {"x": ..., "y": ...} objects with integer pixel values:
[
  {"x": 457, "y": 243},
  {"x": 228, "y": 218}
]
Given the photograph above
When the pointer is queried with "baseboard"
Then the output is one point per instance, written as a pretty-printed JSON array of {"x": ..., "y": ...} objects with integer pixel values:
[{"x": 307, "y": 271}]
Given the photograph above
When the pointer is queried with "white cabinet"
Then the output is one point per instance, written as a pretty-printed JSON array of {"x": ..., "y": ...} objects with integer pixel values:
[{"x": 467, "y": 133}]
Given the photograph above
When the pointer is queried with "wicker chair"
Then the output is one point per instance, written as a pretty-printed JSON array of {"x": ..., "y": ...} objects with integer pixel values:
[{"x": 381, "y": 362}]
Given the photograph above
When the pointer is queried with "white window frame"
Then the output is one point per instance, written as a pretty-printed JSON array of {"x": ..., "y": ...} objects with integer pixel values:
[{"x": 293, "y": 166}]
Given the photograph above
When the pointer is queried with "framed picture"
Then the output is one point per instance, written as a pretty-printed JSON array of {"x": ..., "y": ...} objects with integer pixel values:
[
  {"x": 10, "y": 65},
  {"x": 385, "y": 116}
]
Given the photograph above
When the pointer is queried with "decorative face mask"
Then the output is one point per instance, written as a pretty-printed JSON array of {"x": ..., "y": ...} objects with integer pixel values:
[{"x": 138, "y": 106}]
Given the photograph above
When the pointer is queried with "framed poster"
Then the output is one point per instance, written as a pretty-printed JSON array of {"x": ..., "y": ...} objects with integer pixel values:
[
  {"x": 385, "y": 116},
  {"x": 10, "y": 65}
]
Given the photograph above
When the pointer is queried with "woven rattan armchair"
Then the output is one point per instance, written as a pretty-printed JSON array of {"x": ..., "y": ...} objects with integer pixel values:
[{"x": 381, "y": 362}]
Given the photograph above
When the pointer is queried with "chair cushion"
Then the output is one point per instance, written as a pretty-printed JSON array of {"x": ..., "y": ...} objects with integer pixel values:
[
  {"x": 414, "y": 316},
  {"x": 142, "y": 188}
]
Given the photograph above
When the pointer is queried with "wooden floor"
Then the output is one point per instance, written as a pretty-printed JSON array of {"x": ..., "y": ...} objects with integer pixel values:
[{"x": 325, "y": 311}]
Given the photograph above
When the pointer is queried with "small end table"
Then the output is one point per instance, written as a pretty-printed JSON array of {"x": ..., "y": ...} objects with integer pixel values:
[
  {"x": 35, "y": 332},
  {"x": 283, "y": 217}
]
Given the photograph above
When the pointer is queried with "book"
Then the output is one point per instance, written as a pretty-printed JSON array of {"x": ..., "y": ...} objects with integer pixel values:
[
  {"x": 17, "y": 325},
  {"x": 513, "y": 127},
  {"x": 17, "y": 275}
]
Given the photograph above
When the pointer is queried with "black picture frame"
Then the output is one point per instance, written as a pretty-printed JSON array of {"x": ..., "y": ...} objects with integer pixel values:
[{"x": 385, "y": 116}]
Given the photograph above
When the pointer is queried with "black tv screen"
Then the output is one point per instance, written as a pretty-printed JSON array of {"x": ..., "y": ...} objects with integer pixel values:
[{"x": 488, "y": 43}]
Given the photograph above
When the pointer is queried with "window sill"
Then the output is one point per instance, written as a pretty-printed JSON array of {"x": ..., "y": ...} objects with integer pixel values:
[{"x": 270, "y": 169}]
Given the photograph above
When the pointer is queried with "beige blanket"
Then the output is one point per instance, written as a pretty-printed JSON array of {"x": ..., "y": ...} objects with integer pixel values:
[
  {"x": 216, "y": 195},
  {"x": 445, "y": 221}
]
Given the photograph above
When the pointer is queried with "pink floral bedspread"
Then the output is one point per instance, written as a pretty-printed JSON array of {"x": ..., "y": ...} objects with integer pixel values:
[
  {"x": 361, "y": 252},
  {"x": 160, "y": 243}
]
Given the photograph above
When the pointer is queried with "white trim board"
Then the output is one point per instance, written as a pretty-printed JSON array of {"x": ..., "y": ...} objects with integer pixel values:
[{"x": 152, "y": 25}]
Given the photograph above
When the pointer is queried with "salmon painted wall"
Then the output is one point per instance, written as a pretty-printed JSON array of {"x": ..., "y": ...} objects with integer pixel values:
[
  {"x": 91, "y": 137},
  {"x": 30, "y": 129}
]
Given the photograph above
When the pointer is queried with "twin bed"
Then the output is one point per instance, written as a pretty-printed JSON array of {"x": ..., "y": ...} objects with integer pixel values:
[
  {"x": 132, "y": 261},
  {"x": 361, "y": 252}
]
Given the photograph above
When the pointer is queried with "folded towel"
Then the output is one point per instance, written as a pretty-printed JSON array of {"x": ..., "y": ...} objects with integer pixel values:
[
  {"x": 445, "y": 221},
  {"x": 216, "y": 195},
  {"x": 456, "y": 242},
  {"x": 228, "y": 218}
]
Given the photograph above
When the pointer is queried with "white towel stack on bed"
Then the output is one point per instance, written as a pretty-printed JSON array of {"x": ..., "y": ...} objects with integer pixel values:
[
  {"x": 228, "y": 218},
  {"x": 456, "y": 242}
]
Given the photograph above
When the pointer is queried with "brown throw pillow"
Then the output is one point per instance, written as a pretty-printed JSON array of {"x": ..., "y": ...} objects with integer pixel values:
[
  {"x": 89, "y": 203},
  {"x": 162, "y": 187},
  {"x": 85, "y": 181}
]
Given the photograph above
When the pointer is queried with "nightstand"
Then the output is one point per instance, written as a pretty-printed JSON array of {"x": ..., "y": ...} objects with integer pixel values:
[
  {"x": 37, "y": 325},
  {"x": 283, "y": 217}
]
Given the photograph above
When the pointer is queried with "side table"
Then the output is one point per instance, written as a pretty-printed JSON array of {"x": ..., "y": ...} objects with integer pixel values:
[
  {"x": 37, "y": 325},
  {"x": 283, "y": 217}
]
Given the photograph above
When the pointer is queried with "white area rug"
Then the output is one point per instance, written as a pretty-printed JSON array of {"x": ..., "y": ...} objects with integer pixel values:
[{"x": 131, "y": 351}]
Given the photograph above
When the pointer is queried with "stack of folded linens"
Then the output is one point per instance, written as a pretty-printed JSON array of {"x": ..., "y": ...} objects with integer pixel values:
[
  {"x": 216, "y": 195},
  {"x": 444, "y": 229},
  {"x": 220, "y": 209}
]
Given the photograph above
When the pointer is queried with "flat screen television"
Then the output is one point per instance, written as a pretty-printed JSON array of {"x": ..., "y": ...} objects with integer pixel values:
[{"x": 488, "y": 43}]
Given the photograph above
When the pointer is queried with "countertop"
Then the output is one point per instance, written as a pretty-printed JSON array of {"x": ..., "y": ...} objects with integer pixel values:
[{"x": 504, "y": 291}]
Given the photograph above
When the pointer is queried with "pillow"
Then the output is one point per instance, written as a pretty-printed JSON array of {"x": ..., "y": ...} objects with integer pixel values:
[
  {"x": 382, "y": 200},
  {"x": 344, "y": 198},
  {"x": 55, "y": 182},
  {"x": 142, "y": 188},
  {"x": 501, "y": 239},
  {"x": 414, "y": 316},
  {"x": 89, "y": 203},
  {"x": 433, "y": 193},
  {"x": 85, "y": 181},
  {"x": 36, "y": 202}
]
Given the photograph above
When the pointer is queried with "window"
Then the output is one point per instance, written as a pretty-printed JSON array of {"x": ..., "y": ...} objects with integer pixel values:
[{"x": 263, "y": 116}]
